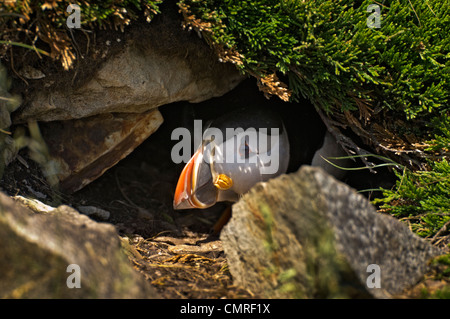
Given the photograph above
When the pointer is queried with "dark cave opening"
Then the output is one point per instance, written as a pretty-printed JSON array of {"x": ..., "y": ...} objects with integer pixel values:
[
  {"x": 147, "y": 177},
  {"x": 139, "y": 190}
]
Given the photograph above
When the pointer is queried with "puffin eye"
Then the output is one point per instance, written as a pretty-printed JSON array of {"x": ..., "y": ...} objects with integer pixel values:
[{"x": 244, "y": 150}]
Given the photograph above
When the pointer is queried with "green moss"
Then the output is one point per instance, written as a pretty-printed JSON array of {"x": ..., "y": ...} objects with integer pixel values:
[
  {"x": 269, "y": 243},
  {"x": 423, "y": 197},
  {"x": 23, "y": 22},
  {"x": 92, "y": 12},
  {"x": 444, "y": 262},
  {"x": 330, "y": 55},
  {"x": 440, "y": 126},
  {"x": 442, "y": 293},
  {"x": 441, "y": 274}
]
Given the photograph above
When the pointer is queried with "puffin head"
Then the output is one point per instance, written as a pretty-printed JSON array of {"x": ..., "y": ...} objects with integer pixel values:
[{"x": 237, "y": 151}]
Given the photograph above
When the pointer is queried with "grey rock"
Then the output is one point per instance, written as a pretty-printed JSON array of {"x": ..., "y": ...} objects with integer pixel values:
[
  {"x": 37, "y": 249},
  {"x": 33, "y": 204},
  {"x": 94, "y": 212},
  {"x": 31, "y": 73},
  {"x": 160, "y": 65},
  {"x": 82, "y": 150},
  {"x": 307, "y": 235},
  {"x": 90, "y": 126}
]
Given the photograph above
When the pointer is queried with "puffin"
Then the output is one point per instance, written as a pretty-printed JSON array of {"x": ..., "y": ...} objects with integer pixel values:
[{"x": 248, "y": 146}]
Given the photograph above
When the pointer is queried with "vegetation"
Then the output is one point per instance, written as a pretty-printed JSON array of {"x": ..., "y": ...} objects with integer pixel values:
[
  {"x": 330, "y": 55},
  {"x": 422, "y": 197},
  {"x": 26, "y": 22}
]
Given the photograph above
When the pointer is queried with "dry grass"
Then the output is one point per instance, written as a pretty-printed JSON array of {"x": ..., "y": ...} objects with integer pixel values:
[{"x": 185, "y": 275}]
